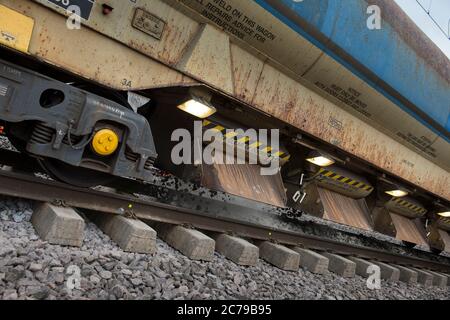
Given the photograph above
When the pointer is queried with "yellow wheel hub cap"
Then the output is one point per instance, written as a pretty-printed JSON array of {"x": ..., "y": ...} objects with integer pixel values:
[{"x": 105, "y": 142}]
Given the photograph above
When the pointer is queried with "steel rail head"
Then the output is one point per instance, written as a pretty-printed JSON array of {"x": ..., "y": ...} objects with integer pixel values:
[{"x": 276, "y": 228}]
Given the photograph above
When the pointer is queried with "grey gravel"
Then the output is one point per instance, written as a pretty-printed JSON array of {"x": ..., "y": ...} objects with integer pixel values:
[
  {"x": 6, "y": 144},
  {"x": 33, "y": 269}
]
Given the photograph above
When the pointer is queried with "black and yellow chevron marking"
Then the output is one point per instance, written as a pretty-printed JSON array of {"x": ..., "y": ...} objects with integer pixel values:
[
  {"x": 410, "y": 206},
  {"x": 243, "y": 140},
  {"x": 354, "y": 183},
  {"x": 445, "y": 220}
]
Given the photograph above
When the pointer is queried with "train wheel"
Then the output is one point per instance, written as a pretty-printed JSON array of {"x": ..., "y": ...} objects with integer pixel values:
[{"x": 76, "y": 176}]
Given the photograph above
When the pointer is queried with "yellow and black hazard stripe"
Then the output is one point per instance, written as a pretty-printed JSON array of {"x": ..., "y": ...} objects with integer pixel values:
[
  {"x": 249, "y": 142},
  {"x": 410, "y": 206},
  {"x": 351, "y": 182},
  {"x": 445, "y": 220}
]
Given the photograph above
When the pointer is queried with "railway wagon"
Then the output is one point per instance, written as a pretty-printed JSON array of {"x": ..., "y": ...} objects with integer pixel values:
[{"x": 356, "y": 97}]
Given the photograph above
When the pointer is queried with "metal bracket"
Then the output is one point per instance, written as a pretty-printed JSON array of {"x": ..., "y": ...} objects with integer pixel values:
[
  {"x": 188, "y": 226},
  {"x": 141, "y": 164},
  {"x": 59, "y": 203},
  {"x": 130, "y": 215},
  {"x": 61, "y": 131}
]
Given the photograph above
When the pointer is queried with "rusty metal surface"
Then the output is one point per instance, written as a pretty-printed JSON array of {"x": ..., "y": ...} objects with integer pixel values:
[
  {"x": 377, "y": 92},
  {"x": 409, "y": 230},
  {"x": 345, "y": 210},
  {"x": 342, "y": 86},
  {"x": 84, "y": 52},
  {"x": 266, "y": 84},
  {"x": 414, "y": 37},
  {"x": 208, "y": 57},
  {"x": 284, "y": 98}
]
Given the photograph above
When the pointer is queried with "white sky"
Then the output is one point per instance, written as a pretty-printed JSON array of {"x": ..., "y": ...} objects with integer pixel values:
[{"x": 440, "y": 10}]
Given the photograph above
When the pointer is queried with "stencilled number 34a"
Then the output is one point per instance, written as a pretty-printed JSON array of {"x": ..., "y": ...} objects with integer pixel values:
[{"x": 126, "y": 83}]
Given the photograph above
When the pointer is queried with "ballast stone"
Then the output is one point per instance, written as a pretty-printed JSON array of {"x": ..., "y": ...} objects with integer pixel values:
[
  {"x": 130, "y": 235},
  {"x": 237, "y": 250},
  {"x": 340, "y": 265},
  {"x": 192, "y": 243},
  {"x": 279, "y": 256},
  {"x": 312, "y": 261},
  {"x": 58, "y": 225}
]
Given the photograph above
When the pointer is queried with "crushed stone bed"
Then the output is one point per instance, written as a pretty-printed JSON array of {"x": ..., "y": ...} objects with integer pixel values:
[{"x": 33, "y": 269}]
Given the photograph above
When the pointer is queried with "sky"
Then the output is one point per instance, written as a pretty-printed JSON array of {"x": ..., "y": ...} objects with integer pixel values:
[{"x": 440, "y": 10}]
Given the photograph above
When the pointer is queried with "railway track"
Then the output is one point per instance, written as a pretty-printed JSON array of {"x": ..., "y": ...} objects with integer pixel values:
[{"x": 201, "y": 211}]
